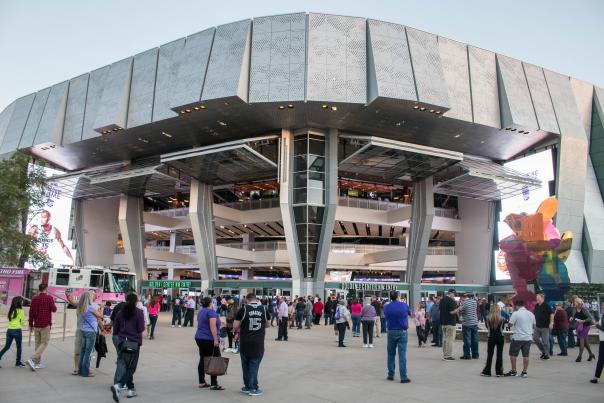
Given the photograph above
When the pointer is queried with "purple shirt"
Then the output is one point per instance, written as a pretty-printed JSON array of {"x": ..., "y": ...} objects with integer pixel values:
[
  {"x": 131, "y": 329},
  {"x": 203, "y": 324}
]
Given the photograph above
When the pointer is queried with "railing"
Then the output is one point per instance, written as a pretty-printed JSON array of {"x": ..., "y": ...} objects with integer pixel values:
[
  {"x": 445, "y": 212},
  {"x": 257, "y": 246},
  {"x": 360, "y": 248},
  {"x": 379, "y": 205},
  {"x": 254, "y": 204},
  {"x": 175, "y": 212},
  {"x": 441, "y": 250}
]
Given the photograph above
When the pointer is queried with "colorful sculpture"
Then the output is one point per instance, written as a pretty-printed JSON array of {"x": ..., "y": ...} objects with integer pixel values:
[{"x": 537, "y": 251}]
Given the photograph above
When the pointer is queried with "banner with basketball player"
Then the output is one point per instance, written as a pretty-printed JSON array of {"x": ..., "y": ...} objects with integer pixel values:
[{"x": 50, "y": 225}]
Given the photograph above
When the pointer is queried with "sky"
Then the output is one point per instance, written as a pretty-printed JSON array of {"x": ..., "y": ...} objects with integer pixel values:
[{"x": 44, "y": 42}]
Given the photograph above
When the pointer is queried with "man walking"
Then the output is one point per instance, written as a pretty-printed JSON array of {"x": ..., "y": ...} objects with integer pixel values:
[
  {"x": 469, "y": 327},
  {"x": 560, "y": 329},
  {"x": 544, "y": 318},
  {"x": 437, "y": 337},
  {"x": 523, "y": 322},
  {"x": 40, "y": 321},
  {"x": 397, "y": 314},
  {"x": 448, "y": 320},
  {"x": 282, "y": 319},
  {"x": 252, "y": 320}
]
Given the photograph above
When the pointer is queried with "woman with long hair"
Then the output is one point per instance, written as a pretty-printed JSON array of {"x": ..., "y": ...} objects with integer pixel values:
[
  {"x": 419, "y": 320},
  {"x": 153, "y": 308},
  {"x": 495, "y": 324},
  {"x": 208, "y": 341},
  {"x": 583, "y": 321},
  {"x": 355, "y": 312},
  {"x": 129, "y": 327},
  {"x": 16, "y": 319},
  {"x": 90, "y": 314},
  {"x": 600, "y": 364}
]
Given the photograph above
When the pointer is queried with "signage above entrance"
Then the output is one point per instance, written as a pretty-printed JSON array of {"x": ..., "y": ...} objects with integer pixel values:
[{"x": 172, "y": 284}]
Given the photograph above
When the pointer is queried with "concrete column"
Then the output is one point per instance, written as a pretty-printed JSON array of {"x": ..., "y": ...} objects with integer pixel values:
[
  {"x": 202, "y": 225},
  {"x": 285, "y": 202},
  {"x": 175, "y": 240},
  {"x": 247, "y": 239},
  {"x": 132, "y": 227},
  {"x": 422, "y": 215}
]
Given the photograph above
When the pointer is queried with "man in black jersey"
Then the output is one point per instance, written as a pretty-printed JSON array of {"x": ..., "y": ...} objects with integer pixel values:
[{"x": 251, "y": 320}]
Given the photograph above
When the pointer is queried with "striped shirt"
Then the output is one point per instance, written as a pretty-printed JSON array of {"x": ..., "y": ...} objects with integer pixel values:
[{"x": 468, "y": 312}]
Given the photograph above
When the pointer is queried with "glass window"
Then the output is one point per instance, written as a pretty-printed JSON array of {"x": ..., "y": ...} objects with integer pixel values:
[
  {"x": 316, "y": 196},
  {"x": 300, "y": 163},
  {"x": 300, "y": 215},
  {"x": 62, "y": 279},
  {"x": 301, "y": 231},
  {"x": 301, "y": 147},
  {"x": 316, "y": 180},
  {"x": 300, "y": 179},
  {"x": 96, "y": 279},
  {"x": 316, "y": 164},
  {"x": 315, "y": 214},
  {"x": 300, "y": 196},
  {"x": 316, "y": 147},
  {"x": 314, "y": 232}
]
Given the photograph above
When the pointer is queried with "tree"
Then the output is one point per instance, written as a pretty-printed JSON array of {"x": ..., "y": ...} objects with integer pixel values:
[{"x": 21, "y": 192}]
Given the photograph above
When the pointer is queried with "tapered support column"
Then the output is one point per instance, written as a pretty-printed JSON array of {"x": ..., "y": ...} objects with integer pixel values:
[
  {"x": 132, "y": 227},
  {"x": 422, "y": 215},
  {"x": 202, "y": 225}
]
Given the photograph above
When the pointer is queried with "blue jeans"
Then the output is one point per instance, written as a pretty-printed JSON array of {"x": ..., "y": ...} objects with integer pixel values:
[
  {"x": 13, "y": 334},
  {"x": 88, "y": 340},
  {"x": 356, "y": 324},
  {"x": 249, "y": 367},
  {"x": 560, "y": 335},
  {"x": 470, "y": 341},
  {"x": 120, "y": 368},
  {"x": 397, "y": 338},
  {"x": 176, "y": 316}
]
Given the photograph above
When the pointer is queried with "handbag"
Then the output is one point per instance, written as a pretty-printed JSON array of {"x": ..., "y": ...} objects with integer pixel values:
[
  {"x": 129, "y": 346},
  {"x": 215, "y": 366}
]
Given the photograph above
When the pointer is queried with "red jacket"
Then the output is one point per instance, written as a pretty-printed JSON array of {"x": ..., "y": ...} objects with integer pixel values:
[
  {"x": 318, "y": 308},
  {"x": 40, "y": 312}
]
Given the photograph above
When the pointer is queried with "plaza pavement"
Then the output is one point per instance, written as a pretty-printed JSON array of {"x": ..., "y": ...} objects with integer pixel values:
[{"x": 307, "y": 368}]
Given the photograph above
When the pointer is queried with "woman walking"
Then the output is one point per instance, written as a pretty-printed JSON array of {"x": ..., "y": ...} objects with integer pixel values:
[
  {"x": 16, "y": 318},
  {"x": 153, "y": 309},
  {"x": 129, "y": 327},
  {"x": 600, "y": 364},
  {"x": 420, "y": 324},
  {"x": 91, "y": 314},
  {"x": 368, "y": 315},
  {"x": 355, "y": 311},
  {"x": 583, "y": 321},
  {"x": 208, "y": 341},
  {"x": 495, "y": 324}
]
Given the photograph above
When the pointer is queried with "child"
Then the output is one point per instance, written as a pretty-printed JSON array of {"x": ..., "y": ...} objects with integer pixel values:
[
  {"x": 16, "y": 319},
  {"x": 236, "y": 339}
]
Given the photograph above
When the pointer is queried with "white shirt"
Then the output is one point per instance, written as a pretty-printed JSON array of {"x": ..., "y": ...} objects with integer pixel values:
[{"x": 523, "y": 322}]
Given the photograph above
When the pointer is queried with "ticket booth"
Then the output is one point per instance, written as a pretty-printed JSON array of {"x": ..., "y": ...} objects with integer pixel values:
[{"x": 12, "y": 282}]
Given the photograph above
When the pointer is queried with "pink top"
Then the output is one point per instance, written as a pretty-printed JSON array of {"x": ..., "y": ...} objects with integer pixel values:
[
  {"x": 420, "y": 318},
  {"x": 153, "y": 309},
  {"x": 355, "y": 309}
]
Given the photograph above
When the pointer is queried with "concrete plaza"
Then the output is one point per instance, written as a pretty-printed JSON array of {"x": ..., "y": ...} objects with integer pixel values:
[{"x": 307, "y": 368}]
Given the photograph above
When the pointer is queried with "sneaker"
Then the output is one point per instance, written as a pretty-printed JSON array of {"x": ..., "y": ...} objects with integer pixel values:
[
  {"x": 544, "y": 357},
  {"x": 40, "y": 366},
  {"x": 371, "y": 346},
  {"x": 172, "y": 325},
  {"x": 594, "y": 380},
  {"x": 255, "y": 392},
  {"x": 19, "y": 364},
  {"x": 485, "y": 374},
  {"x": 365, "y": 346},
  {"x": 390, "y": 378},
  {"x": 245, "y": 390},
  {"x": 405, "y": 380},
  {"x": 562, "y": 354},
  {"x": 523, "y": 374},
  {"x": 235, "y": 351},
  {"x": 124, "y": 387},
  {"x": 179, "y": 326},
  {"x": 31, "y": 364},
  {"x": 115, "y": 391},
  {"x": 131, "y": 393},
  {"x": 448, "y": 359},
  {"x": 511, "y": 373}
]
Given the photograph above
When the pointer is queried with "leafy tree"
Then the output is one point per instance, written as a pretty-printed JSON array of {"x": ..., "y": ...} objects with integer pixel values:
[{"x": 21, "y": 192}]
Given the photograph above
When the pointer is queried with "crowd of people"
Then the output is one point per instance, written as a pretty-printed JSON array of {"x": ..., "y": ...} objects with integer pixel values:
[{"x": 226, "y": 325}]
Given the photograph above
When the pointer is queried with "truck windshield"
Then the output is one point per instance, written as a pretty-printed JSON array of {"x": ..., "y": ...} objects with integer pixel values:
[{"x": 122, "y": 282}]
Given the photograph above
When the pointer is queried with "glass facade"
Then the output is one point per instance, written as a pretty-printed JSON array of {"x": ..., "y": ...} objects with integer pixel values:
[
  {"x": 596, "y": 147},
  {"x": 309, "y": 196}
]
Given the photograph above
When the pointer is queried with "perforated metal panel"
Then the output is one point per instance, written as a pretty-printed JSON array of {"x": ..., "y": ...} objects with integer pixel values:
[
  {"x": 278, "y": 60},
  {"x": 391, "y": 72},
  {"x": 142, "y": 89},
  {"x": 74, "y": 113},
  {"x": 227, "y": 74},
  {"x": 33, "y": 120},
  {"x": 5, "y": 116},
  {"x": 483, "y": 82},
  {"x": 192, "y": 68},
  {"x": 584, "y": 98},
  {"x": 50, "y": 128},
  {"x": 336, "y": 59},
  {"x": 517, "y": 107},
  {"x": 429, "y": 78},
  {"x": 167, "y": 69},
  {"x": 116, "y": 94},
  {"x": 454, "y": 60},
  {"x": 96, "y": 83},
  {"x": 16, "y": 124},
  {"x": 541, "y": 98},
  {"x": 565, "y": 106}
]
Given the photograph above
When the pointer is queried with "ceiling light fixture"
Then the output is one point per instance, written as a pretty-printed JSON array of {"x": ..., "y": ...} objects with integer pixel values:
[
  {"x": 221, "y": 123},
  {"x": 196, "y": 108},
  {"x": 166, "y": 134},
  {"x": 324, "y": 106},
  {"x": 281, "y": 107},
  {"x": 202, "y": 106},
  {"x": 188, "y": 110},
  {"x": 422, "y": 109},
  {"x": 416, "y": 107},
  {"x": 457, "y": 136},
  {"x": 334, "y": 108},
  {"x": 290, "y": 106}
]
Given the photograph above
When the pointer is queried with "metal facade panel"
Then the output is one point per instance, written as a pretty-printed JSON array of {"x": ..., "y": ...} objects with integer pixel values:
[
  {"x": 483, "y": 81},
  {"x": 546, "y": 117},
  {"x": 278, "y": 59},
  {"x": 429, "y": 78},
  {"x": 167, "y": 73},
  {"x": 563, "y": 100},
  {"x": 584, "y": 93},
  {"x": 33, "y": 120},
  {"x": 391, "y": 73},
  {"x": 337, "y": 54},
  {"x": 454, "y": 60},
  {"x": 516, "y": 105},
  {"x": 74, "y": 112},
  {"x": 142, "y": 89},
  {"x": 16, "y": 124},
  {"x": 192, "y": 68},
  {"x": 96, "y": 83},
  {"x": 5, "y": 116},
  {"x": 228, "y": 70},
  {"x": 50, "y": 129},
  {"x": 113, "y": 110}
]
